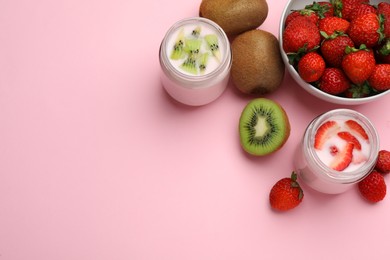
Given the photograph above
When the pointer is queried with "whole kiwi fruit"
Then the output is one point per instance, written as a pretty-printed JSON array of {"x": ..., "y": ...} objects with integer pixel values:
[
  {"x": 235, "y": 16},
  {"x": 257, "y": 66}
]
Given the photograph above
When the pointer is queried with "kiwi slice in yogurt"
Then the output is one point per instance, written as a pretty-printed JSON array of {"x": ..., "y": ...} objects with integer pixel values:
[
  {"x": 212, "y": 43},
  {"x": 178, "y": 52},
  {"x": 196, "y": 32},
  {"x": 202, "y": 62}
]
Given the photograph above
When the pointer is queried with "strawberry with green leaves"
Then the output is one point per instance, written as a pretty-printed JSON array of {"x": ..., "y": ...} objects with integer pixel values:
[
  {"x": 303, "y": 12},
  {"x": 373, "y": 187},
  {"x": 334, "y": 81},
  {"x": 358, "y": 64},
  {"x": 300, "y": 35},
  {"x": 331, "y": 25},
  {"x": 333, "y": 48},
  {"x": 366, "y": 29},
  {"x": 344, "y": 8},
  {"x": 286, "y": 194},
  {"x": 311, "y": 67},
  {"x": 380, "y": 78}
]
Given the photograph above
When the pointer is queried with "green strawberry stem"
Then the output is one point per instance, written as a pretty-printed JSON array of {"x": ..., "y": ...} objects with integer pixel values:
[
  {"x": 295, "y": 184},
  {"x": 385, "y": 49},
  {"x": 319, "y": 9}
]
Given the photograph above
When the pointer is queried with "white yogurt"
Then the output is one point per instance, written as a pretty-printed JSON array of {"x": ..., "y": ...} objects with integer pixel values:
[{"x": 199, "y": 87}]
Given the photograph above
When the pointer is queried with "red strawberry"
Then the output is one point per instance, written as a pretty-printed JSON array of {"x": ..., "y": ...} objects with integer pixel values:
[
  {"x": 373, "y": 187},
  {"x": 343, "y": 8},
  {"x": 343, "y": 158},
  {"x": 384, "y": 9},
  {"x": 307, "y": 13},
  {"x": 362, "y": 9},
  {"x": 300, "y": 33},
  {"x": 358, "y": 64},
  {"x": 323, "y": 9},
  {"x": 366, "y": 29},
  {"x": 330, "y": 25},
  {"x": 334, "y": 81},
  {"x": 323, "y": 133},
  {"x": 333, "y": 49},
  {"x": 380, "y": 78},
  {"x": 286, "y": 194},
  {"x": 347, "y": 136},
  {"x": 383, "y": 162},
  {"x": 355, "y": 126},
  {"x": 311, "y": 66}
]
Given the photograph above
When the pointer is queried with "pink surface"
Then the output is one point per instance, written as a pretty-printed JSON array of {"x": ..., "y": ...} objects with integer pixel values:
[{"x": 97, "y": 162}]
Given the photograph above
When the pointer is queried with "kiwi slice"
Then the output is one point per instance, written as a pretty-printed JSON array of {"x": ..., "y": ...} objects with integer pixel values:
[
  {"x": 192, "y": 46},
  {"x": 189, "y": 65},
  {"x": 202, "y": 61},
  {"x": 177, "y": 52},
  {"x": 264, "y": 127},
  {"x": 196, "y": 32},
  {"x": 212, "y": 43}
]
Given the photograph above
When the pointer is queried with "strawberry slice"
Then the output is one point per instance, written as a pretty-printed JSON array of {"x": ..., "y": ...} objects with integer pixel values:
[
  {"x": 355, "y": 126},
  {"x": 343, "y": 158},
  {"x": 347, "y": 136},
  {"x": 324, "y": 132}
]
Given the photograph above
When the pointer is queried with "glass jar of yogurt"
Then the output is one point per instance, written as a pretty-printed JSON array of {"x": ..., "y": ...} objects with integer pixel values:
[
  {"x": 338, "y": 149},
  {"x": 195, "y": 59}
]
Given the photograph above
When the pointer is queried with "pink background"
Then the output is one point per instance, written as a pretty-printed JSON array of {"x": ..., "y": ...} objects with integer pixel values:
[{"x": 98, "y": 162}]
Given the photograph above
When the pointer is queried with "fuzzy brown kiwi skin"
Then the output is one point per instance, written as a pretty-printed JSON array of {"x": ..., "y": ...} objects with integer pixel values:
[
  {"x": 234, "y": 16},
  {"x": 257, "y": 67}
]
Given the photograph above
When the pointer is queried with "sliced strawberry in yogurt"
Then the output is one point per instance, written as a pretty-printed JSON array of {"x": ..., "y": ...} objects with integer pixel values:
[
  {"x": 347, "y": 136},
  {"x": 355, "y": 126},
  {"x": 343, "y": 158},
  {"x": 324, "y": 132}
]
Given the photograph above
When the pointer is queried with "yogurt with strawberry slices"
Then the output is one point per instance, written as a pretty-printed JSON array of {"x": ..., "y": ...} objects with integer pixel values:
[{"x": 338, "y": 149}]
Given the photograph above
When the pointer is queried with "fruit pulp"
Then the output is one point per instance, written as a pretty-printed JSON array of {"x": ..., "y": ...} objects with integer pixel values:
[{"x": 330, "y": 162}]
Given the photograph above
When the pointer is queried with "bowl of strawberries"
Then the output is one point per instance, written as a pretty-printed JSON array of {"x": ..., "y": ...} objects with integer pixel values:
[{"x": 338, "y": 50}]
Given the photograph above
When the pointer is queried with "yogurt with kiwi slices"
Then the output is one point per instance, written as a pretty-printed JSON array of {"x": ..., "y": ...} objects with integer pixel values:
[
  {"x": 195, "y": 49},
  {"x": 195, "y": 59}
]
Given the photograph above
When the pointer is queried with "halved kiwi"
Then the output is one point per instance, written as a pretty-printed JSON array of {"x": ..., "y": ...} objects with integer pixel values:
[{"x": 264, "y": 127}]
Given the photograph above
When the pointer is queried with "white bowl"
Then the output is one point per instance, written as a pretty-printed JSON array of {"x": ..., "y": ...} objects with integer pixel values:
[{"x": 300, "y": 4}]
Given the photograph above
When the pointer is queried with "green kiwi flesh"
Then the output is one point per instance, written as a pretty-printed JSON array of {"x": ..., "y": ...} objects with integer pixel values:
[
  {"x": 202, "y": 61},
  {"x": 212, "y": 42},
  {"x": 177, "y": 52},
  {"x": 264, "y": 127}
]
